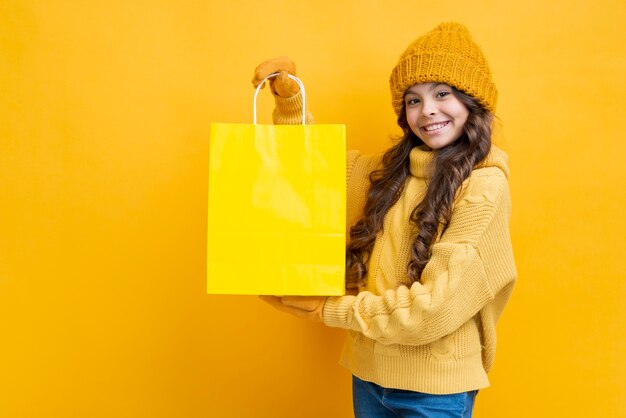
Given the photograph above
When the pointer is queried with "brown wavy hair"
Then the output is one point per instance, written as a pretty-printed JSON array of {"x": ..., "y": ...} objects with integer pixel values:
[{"x": 451, "y": 166}]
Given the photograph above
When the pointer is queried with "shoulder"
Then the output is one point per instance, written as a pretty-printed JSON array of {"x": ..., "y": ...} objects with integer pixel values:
[
  {"x": 364, "y": 160},
  {"x": 496, "y": 158},
  {"x": 489, "y": 181},
  {"x": 358, "y": 170},
  {"x": 485, "y": 184},
  {"x": 482, "y": 200},
  {"x": 359, "y": 166}
]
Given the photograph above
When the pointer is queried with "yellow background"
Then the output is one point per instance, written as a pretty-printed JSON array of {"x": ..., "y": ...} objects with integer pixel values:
[{"x": 104, "y": 120}]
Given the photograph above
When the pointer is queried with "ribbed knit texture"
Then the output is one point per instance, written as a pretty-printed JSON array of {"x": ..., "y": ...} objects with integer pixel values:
[
  {"x": 437, "y": 336},
  {"x": 288, "y": 111},
  {"x": 447, "y": 54}
]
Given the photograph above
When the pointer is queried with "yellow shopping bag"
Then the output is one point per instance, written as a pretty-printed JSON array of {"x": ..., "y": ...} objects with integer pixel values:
[{"x": 276, "y": 214}]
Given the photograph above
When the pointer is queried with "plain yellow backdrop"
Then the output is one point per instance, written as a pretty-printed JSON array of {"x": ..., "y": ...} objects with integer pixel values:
[{"x": 105, "y": 109}]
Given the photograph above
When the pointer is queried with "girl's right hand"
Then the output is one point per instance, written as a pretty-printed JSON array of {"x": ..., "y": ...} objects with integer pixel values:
[{"x": 281, "y": 85}]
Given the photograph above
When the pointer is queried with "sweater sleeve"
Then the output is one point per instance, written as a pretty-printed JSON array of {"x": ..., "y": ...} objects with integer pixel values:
[
  {"x": 469, "y": 266},
  {"x": 358, "y": 170},
  {"x": 288, "y": 111}
]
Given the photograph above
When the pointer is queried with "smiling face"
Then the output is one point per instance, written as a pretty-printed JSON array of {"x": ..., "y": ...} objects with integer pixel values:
[{"x": 435, "y": 114}]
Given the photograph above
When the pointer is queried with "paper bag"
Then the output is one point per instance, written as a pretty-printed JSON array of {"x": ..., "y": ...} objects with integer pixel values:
[{"x": 276, "y": 212}]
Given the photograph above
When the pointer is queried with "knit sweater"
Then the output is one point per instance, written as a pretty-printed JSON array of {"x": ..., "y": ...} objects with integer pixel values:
[{"x": 437, "y": 335}]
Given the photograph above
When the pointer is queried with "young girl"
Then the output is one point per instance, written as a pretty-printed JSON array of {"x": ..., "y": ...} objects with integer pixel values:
[{"x": 429, "y": 262}]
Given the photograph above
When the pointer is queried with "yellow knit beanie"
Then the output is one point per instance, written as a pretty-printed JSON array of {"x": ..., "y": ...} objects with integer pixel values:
[{"x": 447, "y": 54}]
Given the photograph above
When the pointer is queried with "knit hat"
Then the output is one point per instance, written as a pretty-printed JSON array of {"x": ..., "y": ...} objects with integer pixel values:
[{"x": 447, "y": 54}]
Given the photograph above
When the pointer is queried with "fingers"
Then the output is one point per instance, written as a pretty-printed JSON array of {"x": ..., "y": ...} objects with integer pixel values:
[
  {"x": 306, "y": 303},
  {"x": 299, "y": 302},
  {"x": 282, "y": 85},
  {"x": 285, "y": 86},
  {"x": 274, "y": 65},
  {"x": 277, "y": 303},
  {"x": 272, "y": 300}
]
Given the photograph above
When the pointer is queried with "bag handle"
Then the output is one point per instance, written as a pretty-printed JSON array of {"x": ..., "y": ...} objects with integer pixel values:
[{"x": 297, "y": 80}]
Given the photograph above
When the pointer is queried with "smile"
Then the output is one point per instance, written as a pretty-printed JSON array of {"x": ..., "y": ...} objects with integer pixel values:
[{"x": 435, "y": 126}]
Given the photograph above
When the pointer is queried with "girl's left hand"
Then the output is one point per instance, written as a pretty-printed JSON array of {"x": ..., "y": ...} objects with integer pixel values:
[{"x": 308, "y": 307}]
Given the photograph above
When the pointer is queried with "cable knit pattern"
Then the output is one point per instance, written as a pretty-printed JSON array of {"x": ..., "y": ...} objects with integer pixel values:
[{"x": 438, "y": 335}]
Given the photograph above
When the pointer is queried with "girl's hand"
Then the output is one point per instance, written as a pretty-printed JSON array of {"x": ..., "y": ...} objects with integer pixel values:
[
  {"x": 308, "y": 307},
  {"x": 281, "y": 85}
]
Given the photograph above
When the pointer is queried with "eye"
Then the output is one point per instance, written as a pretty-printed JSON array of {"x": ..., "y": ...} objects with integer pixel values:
[
  {"x": 412, "y": 101},
  {"x": 442, "y": 93}
]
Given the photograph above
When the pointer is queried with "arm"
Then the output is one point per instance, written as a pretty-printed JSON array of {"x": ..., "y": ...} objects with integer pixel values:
[{"x": 469, "y": 267}]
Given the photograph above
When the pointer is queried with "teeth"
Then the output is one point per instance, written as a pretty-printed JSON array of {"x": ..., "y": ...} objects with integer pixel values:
[{"x": 436, "y": 126}]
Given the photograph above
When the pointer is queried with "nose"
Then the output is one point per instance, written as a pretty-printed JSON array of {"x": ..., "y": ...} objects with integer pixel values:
[{"x": 429, "y": 108}]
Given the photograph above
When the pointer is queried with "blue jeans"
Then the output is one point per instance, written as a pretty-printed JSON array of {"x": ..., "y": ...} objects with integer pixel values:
[{"x": 373, "y": 401}]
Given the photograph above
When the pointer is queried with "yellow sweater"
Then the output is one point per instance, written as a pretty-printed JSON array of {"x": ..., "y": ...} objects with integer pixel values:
[{"x": 437, "y": 336}]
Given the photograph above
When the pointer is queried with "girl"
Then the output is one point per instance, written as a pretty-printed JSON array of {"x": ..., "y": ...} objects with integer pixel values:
[{"x": 429, "y": 261}]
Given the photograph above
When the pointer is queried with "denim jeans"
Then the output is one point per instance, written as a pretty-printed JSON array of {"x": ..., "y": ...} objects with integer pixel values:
[{"x": 373, "y": 401}]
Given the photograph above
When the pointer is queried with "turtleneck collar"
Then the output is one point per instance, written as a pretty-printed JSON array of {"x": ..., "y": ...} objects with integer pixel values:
[
  {"x": 420, "y": 161},
  {"x": 422, "y": 157}
]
